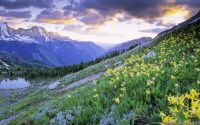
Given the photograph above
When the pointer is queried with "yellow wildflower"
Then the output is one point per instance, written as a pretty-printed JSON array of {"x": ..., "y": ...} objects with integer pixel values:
[
  {"x": 198, "y": 82},
  {"x": 180, "y": 104},
  {"x": 110, "y": 83},
  {"x": 172, "y": 100},
  {"x": 195, "y": 104},
  {"x": 177, "y": 85},
  {"x": 162, "y": 114},
  {"x": 94, "y": 81},
  {"x": 197, "y": 69},
  {"x": 120, "y": 95},
  {"x": 123, "y": 89},
  {"x": 157, "y": 69},
  {"x": 173, "y": 63},
  {"x": 173, "y": 77},
  {"x": 116, "y": 100},
  {"x": 96, "y": 96},
  {"x": 149, "y": 82},
  {"x": 95, "y": 90},
  {"x": 181, "y": 100},
  {"x": 148, "y": 92},
  {"x": 193, "y": 94},
  {"x": 168, "y": 120},
  {"x": 195, "y": 108},
  {"x": 123, "y": 84},
  {"x": 186, "y": 114},
  {"x": 196, "y": 112},
  {"x": 173, "y": 110},
  {"x": 69, "y": 96},
  {"x": 197, "y": 50}
]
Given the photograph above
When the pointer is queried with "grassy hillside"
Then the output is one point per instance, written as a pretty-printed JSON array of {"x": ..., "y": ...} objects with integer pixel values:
[{"x": 161, "y": 88}]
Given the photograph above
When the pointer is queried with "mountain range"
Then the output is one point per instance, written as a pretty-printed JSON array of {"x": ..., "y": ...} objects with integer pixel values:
[
  {"x": 38, "y": 45},
  {"x": 130, "y": 44},
  {"x": 47, "y": 47}
]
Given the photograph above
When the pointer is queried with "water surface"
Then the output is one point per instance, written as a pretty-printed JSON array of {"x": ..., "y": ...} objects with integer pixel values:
[{"x": 17, "y": 83}]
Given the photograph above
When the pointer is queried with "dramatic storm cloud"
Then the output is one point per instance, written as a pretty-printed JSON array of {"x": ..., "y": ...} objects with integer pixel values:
[
  {"x": 47, "y": 14},
  {"x": 16, "y": 4},
  {"x": 191, "y": 3},
  {"x": 15, "y": 14},
  {"x": 54, "y": 16},
  {"x": 99, "y": 20},
  {"x": 92, "y": 11}
]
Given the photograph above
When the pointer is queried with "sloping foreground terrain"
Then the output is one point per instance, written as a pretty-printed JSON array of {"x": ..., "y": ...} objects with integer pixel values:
[{"x": 157, "y": 84}]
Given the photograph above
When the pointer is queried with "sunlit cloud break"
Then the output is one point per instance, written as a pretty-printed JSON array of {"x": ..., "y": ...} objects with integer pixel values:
[{"x": 98, "y": 20}]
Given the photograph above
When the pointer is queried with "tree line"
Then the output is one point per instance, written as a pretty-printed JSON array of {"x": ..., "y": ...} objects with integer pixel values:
[{"x": 34, "y": 72}]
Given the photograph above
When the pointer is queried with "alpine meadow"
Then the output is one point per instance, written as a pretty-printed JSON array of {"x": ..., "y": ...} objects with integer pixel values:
[{"x": 99, "y": 62}]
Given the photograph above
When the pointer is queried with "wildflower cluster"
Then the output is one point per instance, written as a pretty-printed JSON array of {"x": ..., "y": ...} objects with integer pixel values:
[
  {"x": 96, "y": 93},
  {"x": 183, "y": 108}
]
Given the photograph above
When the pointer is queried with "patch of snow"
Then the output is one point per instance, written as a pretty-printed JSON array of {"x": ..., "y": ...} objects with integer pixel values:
[
  {"x": 6, "y": 38},
  {"x": 27, "y": 35},
  {"x": 25, "y": 39},
  {"x": 41, "y": 31},
  {"x": 5, "y": 64}
]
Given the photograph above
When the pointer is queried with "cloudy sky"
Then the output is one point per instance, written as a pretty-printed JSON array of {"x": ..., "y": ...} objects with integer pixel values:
[{"x": 102, "y": 21}]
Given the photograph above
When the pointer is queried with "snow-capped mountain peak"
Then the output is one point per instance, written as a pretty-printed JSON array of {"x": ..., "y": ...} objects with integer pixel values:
[
  {"x": 35, "y": 34},
  {"x": 4, "y": 30},
  {"x": 41, "y": 31},
  {"x": 4, "y": 24}
]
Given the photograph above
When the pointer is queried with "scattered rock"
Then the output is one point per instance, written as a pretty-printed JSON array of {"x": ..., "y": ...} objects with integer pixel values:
[
  {"x": 54, "y": 85},
  {"x": 150, "y": 54},
  {"x": 106, "y": 65},
  {"x": 118, "y": 63}
]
